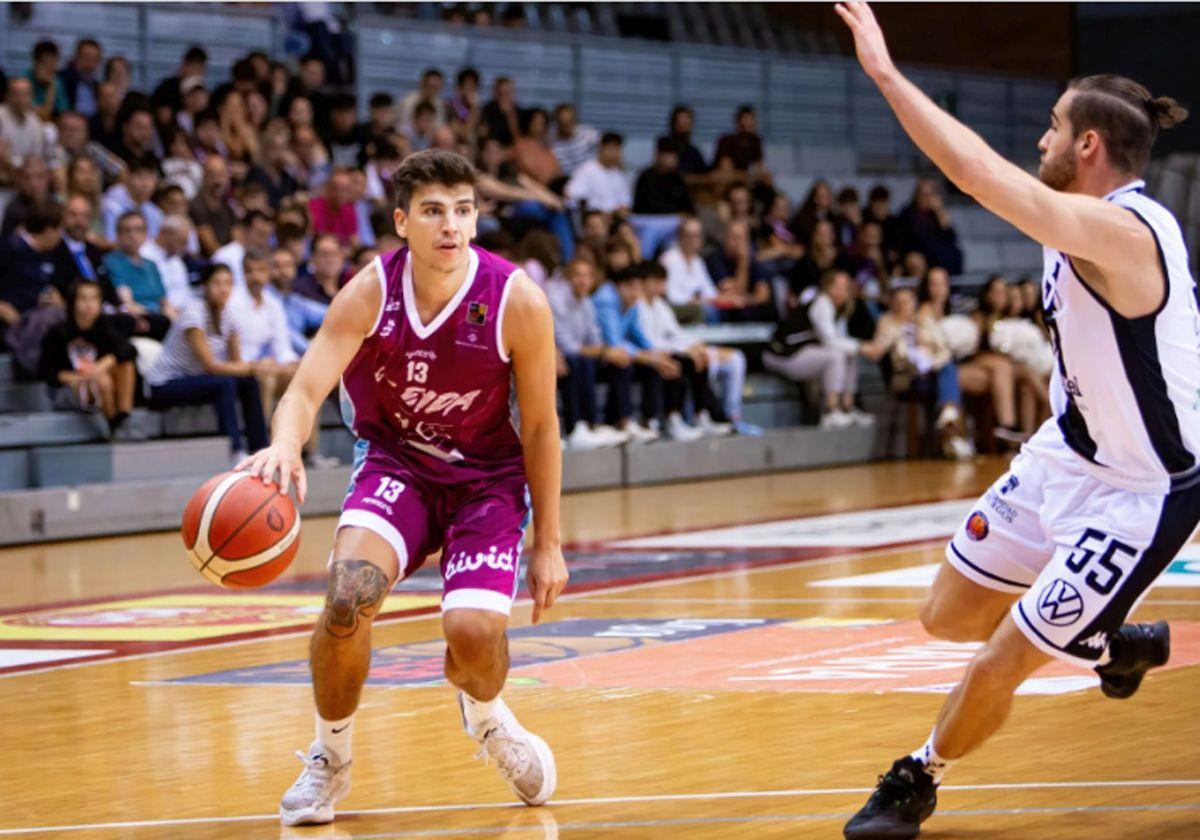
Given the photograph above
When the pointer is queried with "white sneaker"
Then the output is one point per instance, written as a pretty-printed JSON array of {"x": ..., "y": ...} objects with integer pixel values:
[
  {"x": 323, "y": 783},
  {"x": 861, "y": 418},
  {"x": 641, "y": 434},
  {"x": 960, "y": 449},
  {"x": 711, "y": 427},
  {"x": 523, "y": 759},
  {"x": 611, "y": 435},
  {"x": 583, "y": 439},
  {"x": 948, "y": 416},
  {"x": 836, "y": 420},
  {"x": 678, "y": 430}
]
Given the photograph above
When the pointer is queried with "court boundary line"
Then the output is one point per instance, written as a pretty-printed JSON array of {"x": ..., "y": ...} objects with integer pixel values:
[
  {"x": 606, "y": 800},
  {"x": 420, "y": 613}
]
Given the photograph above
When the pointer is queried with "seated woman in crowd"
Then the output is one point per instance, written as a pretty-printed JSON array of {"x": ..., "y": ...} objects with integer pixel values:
[
  {"x": 201, "y": 364},
  {"x": 980, "y": 369},
  {"x": 89, "y": 364},
  {"x": 1031, "y": 365},
  {"x": 820, "y": 256},
  {"x": 921, "y": 361}
]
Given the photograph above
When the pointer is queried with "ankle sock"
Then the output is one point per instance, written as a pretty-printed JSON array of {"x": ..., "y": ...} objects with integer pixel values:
[
  {"x": 335, "y": 734},
  {"x": 935, "y": 766}
]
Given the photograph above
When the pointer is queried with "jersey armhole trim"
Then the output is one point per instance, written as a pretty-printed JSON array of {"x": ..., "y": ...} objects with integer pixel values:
[
  {"x": 1162, "y": 263},
  {"x": 377, "y": 264},
  {"x": 508, "y": 284}
]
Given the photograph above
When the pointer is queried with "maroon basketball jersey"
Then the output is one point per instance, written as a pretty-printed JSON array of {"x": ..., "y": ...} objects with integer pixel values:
[{"x": 436, "y": 395}]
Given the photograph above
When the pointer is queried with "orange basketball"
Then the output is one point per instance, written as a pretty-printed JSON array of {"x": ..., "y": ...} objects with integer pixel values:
[{"x": 239, "y": 532}]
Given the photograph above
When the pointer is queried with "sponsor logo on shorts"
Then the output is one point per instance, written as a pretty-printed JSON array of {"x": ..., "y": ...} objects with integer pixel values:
[
  {"x": 1060, "y": 603},
  {"x": 977, "y": 526},
  {"x": 379, "y": 504},
  {"x": 1097, "y": 641},
  {"x": 466, "y": 561},
  {"x": 1002, "y": 508}
]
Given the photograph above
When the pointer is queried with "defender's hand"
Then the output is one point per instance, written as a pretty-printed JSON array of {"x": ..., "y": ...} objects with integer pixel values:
[
  {"x": 868, "y": 38},
  {"x": 283, "y": 458},
  {"x": 547, "y": 578}
]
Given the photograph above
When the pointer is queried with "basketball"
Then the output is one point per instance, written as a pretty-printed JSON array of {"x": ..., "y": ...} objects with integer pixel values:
[{"x": 239, "y": 532}]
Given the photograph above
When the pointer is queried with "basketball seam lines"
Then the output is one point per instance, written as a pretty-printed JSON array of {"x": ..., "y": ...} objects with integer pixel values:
[{"x": 237, "y": 531}]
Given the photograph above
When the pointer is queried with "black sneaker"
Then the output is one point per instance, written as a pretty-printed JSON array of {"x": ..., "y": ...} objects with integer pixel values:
[
  {"x": 903, "y": 799},
  {"x": 1135, "y": 649}
]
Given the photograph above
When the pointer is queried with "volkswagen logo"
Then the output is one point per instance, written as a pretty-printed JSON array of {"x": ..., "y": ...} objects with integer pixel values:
[{"x": 1060, "y": 603}]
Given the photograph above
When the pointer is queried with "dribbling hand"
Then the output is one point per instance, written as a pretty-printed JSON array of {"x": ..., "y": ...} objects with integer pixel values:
[
  {"x": 868, "y": 38},
  {"x": 280, "y": 458}
]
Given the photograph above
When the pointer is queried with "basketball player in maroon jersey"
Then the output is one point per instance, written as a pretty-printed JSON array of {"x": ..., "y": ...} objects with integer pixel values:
[{"x": 425, "y": 342}]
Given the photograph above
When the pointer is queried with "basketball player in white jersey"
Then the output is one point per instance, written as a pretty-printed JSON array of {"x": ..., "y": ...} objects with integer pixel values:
[{"x": 1058, "y": 553}]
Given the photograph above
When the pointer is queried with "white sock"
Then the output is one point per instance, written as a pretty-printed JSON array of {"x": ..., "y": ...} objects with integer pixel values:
[
  {"x": 335, "y": 734},
  {"x": 934, "y": 764},
  {"x": 479, "y": 712}
]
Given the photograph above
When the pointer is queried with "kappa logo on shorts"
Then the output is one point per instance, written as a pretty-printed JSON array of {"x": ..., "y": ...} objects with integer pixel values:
[
  {"x": 977, "y": 527},
  {"x": 1096, "y": 641},
  {"x": 1060, "y": 603}
]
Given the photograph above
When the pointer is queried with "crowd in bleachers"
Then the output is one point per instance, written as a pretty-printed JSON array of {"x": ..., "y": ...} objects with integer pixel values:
[{"x": 203, "y": 233}]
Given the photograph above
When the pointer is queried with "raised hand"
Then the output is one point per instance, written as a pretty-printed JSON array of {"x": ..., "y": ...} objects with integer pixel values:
[{"x": 868, "y": 38}]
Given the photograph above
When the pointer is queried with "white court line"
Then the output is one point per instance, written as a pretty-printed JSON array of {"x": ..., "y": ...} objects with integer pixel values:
[
  {"x": 623, "y": 587},
  {"x": 740, "y": 601},
  {"x": 606, "y": 800}
]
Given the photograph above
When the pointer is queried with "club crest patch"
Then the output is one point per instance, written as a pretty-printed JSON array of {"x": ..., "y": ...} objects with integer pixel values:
[
  {"x": 477, "y": 313},
  {"x": 977, "y": 526}
]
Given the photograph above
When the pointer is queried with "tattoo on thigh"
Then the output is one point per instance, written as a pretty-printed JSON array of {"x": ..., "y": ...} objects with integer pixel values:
[{"x": 356, "y": 589}]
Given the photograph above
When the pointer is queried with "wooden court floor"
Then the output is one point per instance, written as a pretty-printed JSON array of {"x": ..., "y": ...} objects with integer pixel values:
[{"x": 736, "y": 694}]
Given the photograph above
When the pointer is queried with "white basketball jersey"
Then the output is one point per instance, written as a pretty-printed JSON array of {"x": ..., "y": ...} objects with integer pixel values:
[{"x": 1126, "y": 391}]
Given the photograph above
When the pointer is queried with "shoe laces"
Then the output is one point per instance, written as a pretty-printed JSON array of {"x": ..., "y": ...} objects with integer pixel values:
[
  {"x": 892, "y": 789},
  {"x": 317, "y": 772},
  {"x": 511, "y": 753}
]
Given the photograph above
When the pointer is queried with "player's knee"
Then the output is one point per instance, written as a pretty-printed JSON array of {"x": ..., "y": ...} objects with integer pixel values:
[
  {"x": 992, "y": 671},
  {"x": 951, "y": 625},
  {"x": 356, "y": 592},
  {"x": 473, "y": 634}
]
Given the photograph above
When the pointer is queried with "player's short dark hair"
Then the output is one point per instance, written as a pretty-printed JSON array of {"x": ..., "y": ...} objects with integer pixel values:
[
  {"x": 431, "y": 166},
  {"x": 1124, "y": 114},
  {"x": 43, "y": 216}
]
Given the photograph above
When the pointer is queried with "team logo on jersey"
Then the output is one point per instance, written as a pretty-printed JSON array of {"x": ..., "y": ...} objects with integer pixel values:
[
  {"x": 388, "y": 328},
  {"x": 428, "y": 401},
  {"x": 1010, "y": 485},
  {"x": 977, "y": 526},
  {"x": 1060, "y": 603},
  {"x": 477, "y": 313}
]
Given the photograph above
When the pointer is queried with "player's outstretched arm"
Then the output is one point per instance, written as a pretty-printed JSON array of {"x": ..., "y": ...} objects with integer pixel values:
[
  {"x": 1088, "y": 228},
  {"x": 528, "y": 333},
  {"x": 350, "y": 318}
]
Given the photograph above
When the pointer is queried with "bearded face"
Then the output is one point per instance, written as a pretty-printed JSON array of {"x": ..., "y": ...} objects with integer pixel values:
[{"x": 1057, "y": 169}]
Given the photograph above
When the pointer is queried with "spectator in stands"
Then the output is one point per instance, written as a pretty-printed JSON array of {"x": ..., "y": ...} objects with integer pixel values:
[
  {"x": 169, "y": 92},
  {"x": 462, "y": 109},
  {"x": 308, "y": 84},
  {"x": 662, "y": 330},
  {"x": 273, "y": 170},
  {"x": 334, "y": 211},
  {"x": 574, "y": 142},
  {"x": 210, "y": 209},
  {"x": 195, "y": 102},
  {"x": 83, "y": 178},
  {"x": 925, "y": 226},
  {"x": 206, "y": 139},
  {"x": 201, "y": 364},
  {"x": 345, "y": 136},
  {"x": 134, "y": 194},
  {"x": 29, "y": 274},
  {"x": 920, "y": 362},
  {"x": 237, "y": 134},
  {"x": 89, "y": 364},
  {"x": 913, "y": 264},
  {"x": 879, "y": 210},
  {"x": 691, "y": 161},
  {"x": 299, "y": 113},
  {"x": 429, "y": 90},
  {"x": 539, "y": 256},
  {"x": 817, "y": 207},
  {"x": 33, "y": 187},
  {"x": 660, "y": 189},
  {"x": 257, "y": 230},
  {"x": 743, "y": 283},
  {"x": 78, "y": 240},
  {"x": 420, "y": 130},
  {"x": 117, "y": 73},
  {"x": 381, "y": 124},
  {"x": 136, "y": 145},
  {"x": 775, "y": 240},
  {"x": 136, "y": 278},
  {"x": 690, "y": 288},
  {"x": 871, "y": 266},
  {"x": 524, "y": 197},
  {"x": 22, "y": 132},
  {"x": 847, "y": 216},
  {"x": 104, "y": 127},
  {"x": 498, "y": 119},
  {"x": 81, "y": 77},
  {"x": 1031, "y": 300},
  {"x": 813, "y": 342},
  {"x": 167, "y": 251},
  {"x": 384, "y": 160},
  {"x": 820, "y": 256},
  {"x": 600, "y": 184},
  {"x": 740, "y": 154},
  {"x": 304, "y": 316},
  {"x": 328, "y": 265},
  {"x": 312, "y": 159},
  {"x": 49, "y": 96},
  {"x": 981, "y": 371},
  {"x": 1032, "y": 386},
  {"x": 180, "y": 167},
  {"x": 583, "y": 358},
  {"x": 531, "y": 151},
  {"x": 75, "y": 142}
]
